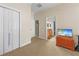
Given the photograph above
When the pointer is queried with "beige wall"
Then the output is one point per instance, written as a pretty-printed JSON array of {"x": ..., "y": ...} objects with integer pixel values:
[
  {"x": 42, "y": 24},
  {"x": 26, "y": 21},
  {"x": 67, "y": 16}
]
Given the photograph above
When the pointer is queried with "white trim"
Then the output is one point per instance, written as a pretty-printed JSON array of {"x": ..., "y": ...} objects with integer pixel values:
[
  {"x": 46, "y": 28},
  {"x": 28, "y": 42},
  {"x": 8, "y": 7}
]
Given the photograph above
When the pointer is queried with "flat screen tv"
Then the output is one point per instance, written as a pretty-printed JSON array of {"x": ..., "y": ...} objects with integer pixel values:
[{"x": 65, "y": 32}]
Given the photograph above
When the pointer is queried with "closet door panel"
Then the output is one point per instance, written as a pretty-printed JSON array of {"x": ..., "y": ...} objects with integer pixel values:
[
  {"x": 10, "y": 34},
  {"x": 15, "y": 30},
  {"x": 1, "y": 30},
  {"x": 7, "y": 30},
  {"x": 5, "y": 25}
]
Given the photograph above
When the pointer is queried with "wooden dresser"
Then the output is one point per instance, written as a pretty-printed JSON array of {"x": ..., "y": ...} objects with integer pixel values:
[{"x": 66, "y": 42}]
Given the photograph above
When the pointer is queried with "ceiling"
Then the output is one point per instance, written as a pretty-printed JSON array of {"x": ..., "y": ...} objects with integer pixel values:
[{"x": 36, "y": 7}]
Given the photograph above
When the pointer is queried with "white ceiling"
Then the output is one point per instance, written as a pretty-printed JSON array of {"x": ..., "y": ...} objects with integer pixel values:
[{"x": 44, "y": 6}]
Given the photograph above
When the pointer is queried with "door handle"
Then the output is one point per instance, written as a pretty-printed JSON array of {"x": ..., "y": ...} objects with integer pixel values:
[{"x": 8, "y": 39}]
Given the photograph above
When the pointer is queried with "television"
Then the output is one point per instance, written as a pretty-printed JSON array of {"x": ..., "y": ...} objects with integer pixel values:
[{"x": 65, "y": 32}]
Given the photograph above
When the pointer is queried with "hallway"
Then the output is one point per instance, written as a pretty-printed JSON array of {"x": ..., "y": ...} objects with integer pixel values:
[{"x": 41, "y": 47}]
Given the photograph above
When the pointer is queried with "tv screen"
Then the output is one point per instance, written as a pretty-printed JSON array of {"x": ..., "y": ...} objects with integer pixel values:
[{"x": 65, "y": 32}]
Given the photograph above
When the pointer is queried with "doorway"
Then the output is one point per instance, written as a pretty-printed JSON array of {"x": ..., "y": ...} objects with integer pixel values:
[
  {"x": 37, "y": 28},
  {"x": 50, "y": 27}
]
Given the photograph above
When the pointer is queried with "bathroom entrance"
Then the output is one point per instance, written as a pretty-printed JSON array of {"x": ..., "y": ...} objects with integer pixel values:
[
  {"x": 37, "y": 28},
  {"x": 50, "y": 27}
]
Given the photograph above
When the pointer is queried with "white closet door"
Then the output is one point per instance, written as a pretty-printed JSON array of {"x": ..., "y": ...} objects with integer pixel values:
[
  {"x": 7, "y": 30},
  {"x": 1, "y": 30},
  {"x": 16, "y": 30},
  {"x": 10, "y": 34}
]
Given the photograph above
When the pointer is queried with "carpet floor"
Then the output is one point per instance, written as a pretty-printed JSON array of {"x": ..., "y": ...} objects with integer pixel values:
[{"x": 41, "y": 47}]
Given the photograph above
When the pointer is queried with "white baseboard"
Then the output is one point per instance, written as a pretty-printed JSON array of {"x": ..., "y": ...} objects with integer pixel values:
[{"x": 28, "y": 42}]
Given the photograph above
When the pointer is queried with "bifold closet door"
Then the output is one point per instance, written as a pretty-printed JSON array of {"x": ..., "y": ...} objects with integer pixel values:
[
  {"x": 8, "y": 36},
  {"x": 1, "y": 31},
  {"x": 11, "y": 30},
  {"x": 16, "y": 33}
]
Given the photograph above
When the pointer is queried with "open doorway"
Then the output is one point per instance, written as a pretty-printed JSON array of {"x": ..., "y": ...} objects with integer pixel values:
[
  {"x": 37, "y": 28},
  {"x": 50, "y": 27}
]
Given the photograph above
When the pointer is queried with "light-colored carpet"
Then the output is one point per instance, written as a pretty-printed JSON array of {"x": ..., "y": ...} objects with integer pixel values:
[{"x": 41, "y": 47}]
